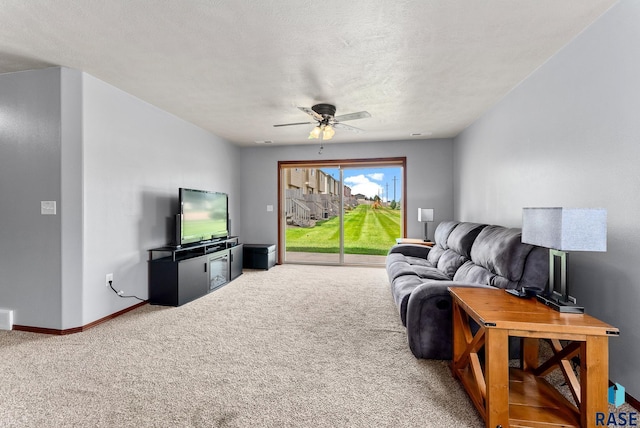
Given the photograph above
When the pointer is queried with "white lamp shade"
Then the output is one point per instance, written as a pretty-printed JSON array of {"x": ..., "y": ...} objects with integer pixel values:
[
  {"x": 565, "y": 229},
  {"x": 425, "y": 214}
]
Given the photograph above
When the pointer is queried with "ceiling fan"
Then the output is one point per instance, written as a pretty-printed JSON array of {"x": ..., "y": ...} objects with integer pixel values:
[{"x": 325, "y": 119}]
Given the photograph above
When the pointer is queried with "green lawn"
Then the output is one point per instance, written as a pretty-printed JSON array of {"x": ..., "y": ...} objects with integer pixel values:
[{"x": 366, "y": 231}]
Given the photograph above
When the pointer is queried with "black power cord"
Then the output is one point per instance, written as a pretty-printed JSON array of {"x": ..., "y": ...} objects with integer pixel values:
[{"x": 121, "y": 293}]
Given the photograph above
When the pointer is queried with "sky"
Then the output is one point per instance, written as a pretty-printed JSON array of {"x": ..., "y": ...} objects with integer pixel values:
[{"x": 371, "y": 181}]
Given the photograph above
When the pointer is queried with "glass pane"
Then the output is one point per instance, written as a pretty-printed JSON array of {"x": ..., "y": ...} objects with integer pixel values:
[
  {"x": 372, "y": 215},
  {"x": 312, "y": 216}
]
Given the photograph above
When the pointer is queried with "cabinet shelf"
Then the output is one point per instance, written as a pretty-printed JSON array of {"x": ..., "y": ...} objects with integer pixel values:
[
  {"x": 180, "y": 275},
  {"x": 190, "y": 251}
]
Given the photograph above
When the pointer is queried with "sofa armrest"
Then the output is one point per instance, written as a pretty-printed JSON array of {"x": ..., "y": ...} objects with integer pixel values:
[
  {"x": 412, "y": 250},
  {"x": 429, "y": 319}
]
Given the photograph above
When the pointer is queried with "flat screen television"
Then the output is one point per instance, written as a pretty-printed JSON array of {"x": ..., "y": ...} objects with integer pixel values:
[{"x": 204, "y": 216}]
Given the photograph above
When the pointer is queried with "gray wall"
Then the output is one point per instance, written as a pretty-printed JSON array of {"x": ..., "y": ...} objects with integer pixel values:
[
  {"x": 570, "y": 136},
  {"x": 114, "y": 165},
  {"x": 30, "y": 172},
  {"x": 136, "y": 156},
  {"x": 429, "y": 179}
]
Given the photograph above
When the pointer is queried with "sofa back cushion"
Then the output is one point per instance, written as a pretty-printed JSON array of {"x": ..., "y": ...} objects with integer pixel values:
[
  {"x": 501, "y": 253},
  {"x": 449, "y": 262},
  {"x": 434, "y": 255},
  {"x": 461, "y": 238},
  {"x": 441, "y": 235},
  {"x": 536, "y": 269},
  {"x": 470, "y": 272}
]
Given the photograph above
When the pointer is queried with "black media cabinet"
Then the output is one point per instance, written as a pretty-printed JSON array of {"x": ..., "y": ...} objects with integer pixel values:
[{"x": 180, "y": 275}]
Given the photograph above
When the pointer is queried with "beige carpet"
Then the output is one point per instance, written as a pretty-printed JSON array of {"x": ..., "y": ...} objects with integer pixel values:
[{"x": 295, "y": 346}]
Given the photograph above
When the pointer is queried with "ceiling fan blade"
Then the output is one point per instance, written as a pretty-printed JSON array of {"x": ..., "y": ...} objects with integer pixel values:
[
  {"x": 352, "y": 116},
  {"x": 297, "y": 123},
  {"x": 312, "y": 113},
  {"x": 347, "y": 127}
]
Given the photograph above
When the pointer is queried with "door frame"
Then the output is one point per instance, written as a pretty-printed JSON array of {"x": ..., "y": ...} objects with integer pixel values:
[{"x": 372, "y": 162}]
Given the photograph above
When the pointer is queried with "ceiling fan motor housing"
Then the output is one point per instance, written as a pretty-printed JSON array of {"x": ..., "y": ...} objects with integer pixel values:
[{"x": 324, "y": 109}]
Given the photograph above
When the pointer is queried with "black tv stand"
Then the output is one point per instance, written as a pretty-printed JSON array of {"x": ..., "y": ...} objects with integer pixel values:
[{"x": 178, "y": 275}]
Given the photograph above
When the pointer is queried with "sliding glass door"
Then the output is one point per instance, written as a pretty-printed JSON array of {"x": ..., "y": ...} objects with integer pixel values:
[{"x": 340, "y": 212}]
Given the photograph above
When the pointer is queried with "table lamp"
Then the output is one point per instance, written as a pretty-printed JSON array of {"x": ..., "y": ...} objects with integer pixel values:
[
  {"x": 425, "y": 215},
  {"x": 563, "y": 230}
]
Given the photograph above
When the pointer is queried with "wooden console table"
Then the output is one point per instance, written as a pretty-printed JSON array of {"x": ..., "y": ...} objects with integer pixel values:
[
  {"x": 522, "y": 397},
  {"x": 414, "y": 241}
]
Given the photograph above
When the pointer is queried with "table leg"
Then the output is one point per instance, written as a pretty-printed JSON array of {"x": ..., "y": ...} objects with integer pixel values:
[
  {"x": 530, "y": 351},
  {"x": 497, "y": 377},
  {"x": 458, "y": 345},
  {"x": 594, "y": 375}
]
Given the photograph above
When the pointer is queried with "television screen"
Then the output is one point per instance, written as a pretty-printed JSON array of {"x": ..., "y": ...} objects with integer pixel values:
[{"x": 204, "y": 215}]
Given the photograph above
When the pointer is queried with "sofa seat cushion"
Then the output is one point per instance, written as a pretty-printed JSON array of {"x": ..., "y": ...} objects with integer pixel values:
[
  {"x": 396, "y": 261},
  {"x": 426, "y": 272},
  {"x": 397, "y": 270},
  {"x": 416, "y": 261},
  {"x": 395, "y": 258}
]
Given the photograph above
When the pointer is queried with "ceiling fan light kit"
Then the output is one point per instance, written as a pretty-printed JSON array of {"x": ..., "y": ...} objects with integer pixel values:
[
  {"x": 326, "y": 131},
  {"x": 315, "y": 133},
  {"x": 326, "y": 121}
]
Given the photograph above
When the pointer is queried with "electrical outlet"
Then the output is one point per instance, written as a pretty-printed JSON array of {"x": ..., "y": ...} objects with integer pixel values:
[{"x": 108, "y": 279}]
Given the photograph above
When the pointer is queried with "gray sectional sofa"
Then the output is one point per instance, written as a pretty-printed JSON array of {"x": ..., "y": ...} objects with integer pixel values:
[{"x": 464, "y": 254}]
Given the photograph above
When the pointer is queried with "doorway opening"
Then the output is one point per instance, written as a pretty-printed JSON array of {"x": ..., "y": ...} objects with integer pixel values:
[{"x": 347, "y": 212}]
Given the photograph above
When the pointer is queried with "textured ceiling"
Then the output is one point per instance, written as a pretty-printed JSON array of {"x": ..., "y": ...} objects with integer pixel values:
[{"x": 237, "y": 67}]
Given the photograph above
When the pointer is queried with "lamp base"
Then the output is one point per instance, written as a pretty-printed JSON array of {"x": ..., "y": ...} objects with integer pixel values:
[{"x": 568, "y": 307}]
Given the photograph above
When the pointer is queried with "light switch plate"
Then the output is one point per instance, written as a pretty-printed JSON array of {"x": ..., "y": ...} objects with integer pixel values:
[
  {"x": 269, "y": 208},
  {"x": 48, "y": 207}
]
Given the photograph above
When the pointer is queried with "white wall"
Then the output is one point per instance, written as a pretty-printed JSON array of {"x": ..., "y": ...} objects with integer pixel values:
[
  {"x": 429, "y": 179},
  {"x": 71, "y": 197},
  {"x": 136, "y": 156},
  {"x": 570, "y": 136}
]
